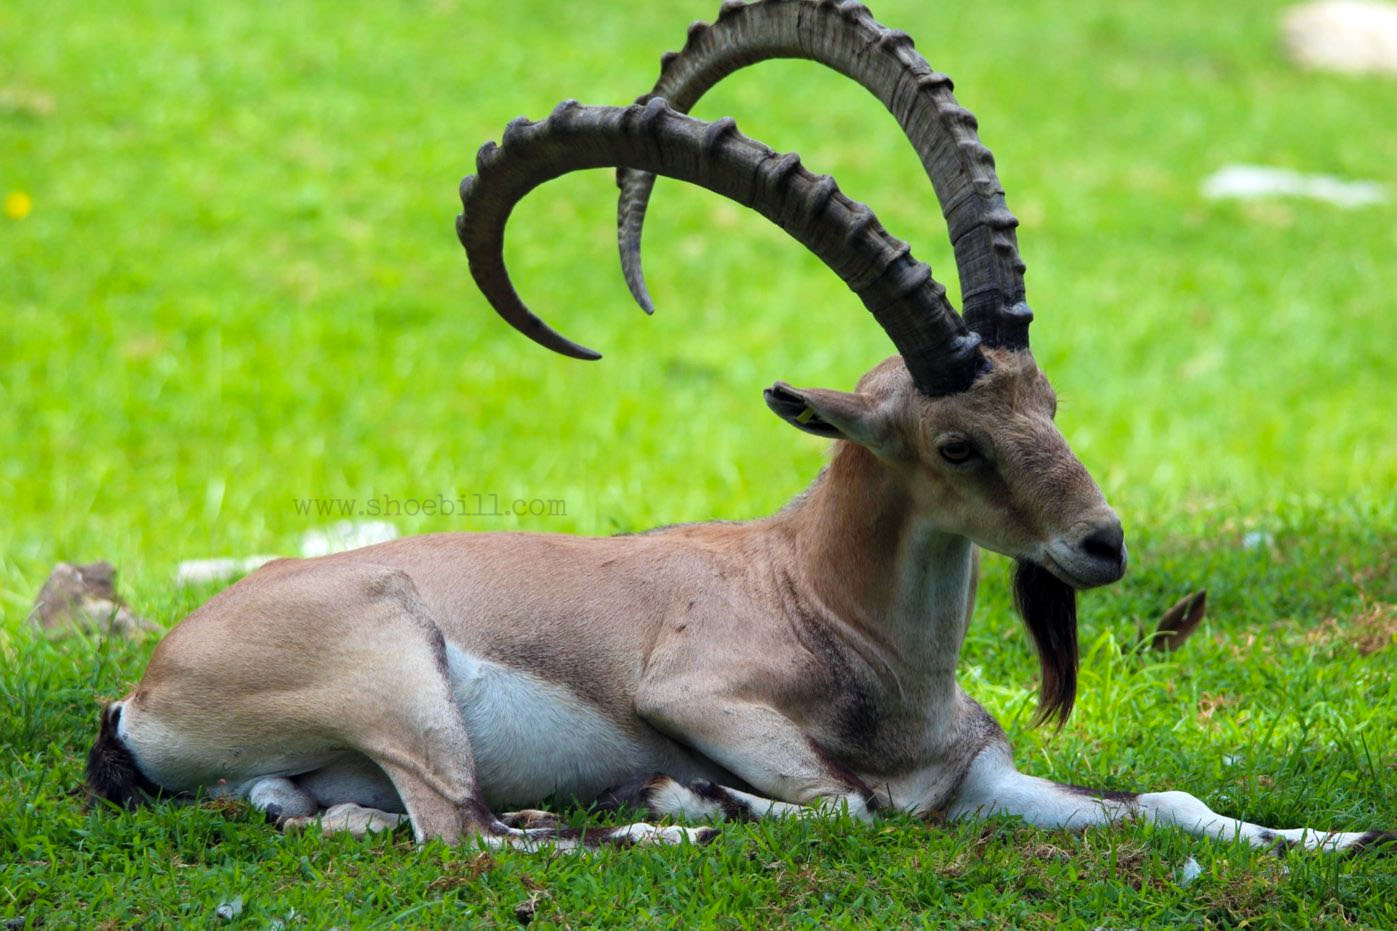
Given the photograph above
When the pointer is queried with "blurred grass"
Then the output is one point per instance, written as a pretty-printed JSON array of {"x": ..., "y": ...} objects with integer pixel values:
[{"x": 238, "y": 285}]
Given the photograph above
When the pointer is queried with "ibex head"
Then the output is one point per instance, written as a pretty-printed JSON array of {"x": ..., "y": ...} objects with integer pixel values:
[
  {"x": 963, "y": 414},
  {"x": 986, "y": 463}
]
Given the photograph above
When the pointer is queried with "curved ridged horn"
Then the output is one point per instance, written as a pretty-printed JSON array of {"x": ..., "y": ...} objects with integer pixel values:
[
  {"x": 942, "y": 355},
  {"x": 844, "y": 36}
]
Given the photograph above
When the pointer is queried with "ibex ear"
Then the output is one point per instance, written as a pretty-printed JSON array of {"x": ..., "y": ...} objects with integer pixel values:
[{"x": 835, "y": 414}]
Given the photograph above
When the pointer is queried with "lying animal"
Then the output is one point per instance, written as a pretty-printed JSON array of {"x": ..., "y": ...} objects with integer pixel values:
[{"x": 793, "y": 664}]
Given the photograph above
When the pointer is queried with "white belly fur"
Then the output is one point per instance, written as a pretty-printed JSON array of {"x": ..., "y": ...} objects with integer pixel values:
[{"x": 534, "y": 739}]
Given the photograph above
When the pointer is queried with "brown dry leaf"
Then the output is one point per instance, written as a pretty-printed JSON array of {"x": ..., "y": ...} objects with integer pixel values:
[
  {"x": 459, "y": 874},
  {"x": 225, "y": 805},
  {"x": 1323, "y": 633},
  {"x": 1209, "y": 703},
  {"x": 1047, "y": 852},
  {"x": 26, "y": 101},
  {"x": 1374, "y": 628}
]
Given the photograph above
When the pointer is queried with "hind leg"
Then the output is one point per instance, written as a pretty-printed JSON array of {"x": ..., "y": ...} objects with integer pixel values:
[
  {"x": 404, "y": 718},
  {"x": 292, "y": 667},
  {"x": 347, "y": 818},
  {"x": 292, "y": 808},
  {"x": 352, "y": 794},
  {"x": 530, "y": 818},
  {"x": 295, "y": 665}
]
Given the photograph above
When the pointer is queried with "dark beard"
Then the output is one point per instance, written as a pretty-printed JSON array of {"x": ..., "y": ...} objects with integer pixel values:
[{"x": 1049, "y": 609}]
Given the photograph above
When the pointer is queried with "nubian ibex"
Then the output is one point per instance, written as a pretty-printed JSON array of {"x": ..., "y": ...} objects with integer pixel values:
[{"x": 786, "y": 666}]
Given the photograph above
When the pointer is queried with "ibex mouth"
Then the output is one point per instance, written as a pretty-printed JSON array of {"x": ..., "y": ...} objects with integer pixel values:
[
  {"x": 1085, "y": 575},
  {"x": 1096, "y": 556}
]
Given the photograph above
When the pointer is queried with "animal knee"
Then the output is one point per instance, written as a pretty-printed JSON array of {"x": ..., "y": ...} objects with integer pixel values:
[
  {"x": 1172, "y": 799},
  {"x": 1175, "y": 806}
]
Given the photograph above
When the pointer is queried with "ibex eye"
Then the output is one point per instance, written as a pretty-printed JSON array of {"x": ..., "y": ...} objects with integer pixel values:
[{"x": 956, "y": 453}]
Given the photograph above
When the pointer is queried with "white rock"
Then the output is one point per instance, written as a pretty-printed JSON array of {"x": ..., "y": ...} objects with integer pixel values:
[
  {"x": 1256, "y": 539},
  {"x": 346, "y": 535},
  {"x": 1352, "y": 36},
  {"x": 1248, "y": 182},
  {"x": 1189, "y": 871},
  {"x": 230, "y": 910},
  {"x": 215, "y": 569}
]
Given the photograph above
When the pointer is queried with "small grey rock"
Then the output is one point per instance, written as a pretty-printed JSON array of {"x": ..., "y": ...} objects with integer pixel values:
[
  {"x": 84, "y": 598},
  {"x": 1189, "y": 871},
  {"x": 231, "y": 909}
]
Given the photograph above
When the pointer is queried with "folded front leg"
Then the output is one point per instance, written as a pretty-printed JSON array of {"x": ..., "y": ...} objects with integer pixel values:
[
  {"x": 759, "y": 745},
  {"x": 665, "y": 796}
]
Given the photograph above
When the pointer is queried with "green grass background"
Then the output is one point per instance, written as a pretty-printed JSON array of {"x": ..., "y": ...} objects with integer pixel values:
[{"x": 239, "y": 285}]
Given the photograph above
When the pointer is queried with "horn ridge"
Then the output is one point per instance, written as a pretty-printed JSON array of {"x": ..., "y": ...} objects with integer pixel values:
[
  {"x": 899, "y": 290},
  {"x": 845, "y": 36}
]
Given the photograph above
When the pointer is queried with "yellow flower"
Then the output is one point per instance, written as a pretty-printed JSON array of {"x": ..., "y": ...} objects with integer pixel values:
[{"x": 17, "y": 205}]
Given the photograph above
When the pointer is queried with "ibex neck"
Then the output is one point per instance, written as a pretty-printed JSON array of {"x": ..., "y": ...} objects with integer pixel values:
[{"x": 878, "y": 563}]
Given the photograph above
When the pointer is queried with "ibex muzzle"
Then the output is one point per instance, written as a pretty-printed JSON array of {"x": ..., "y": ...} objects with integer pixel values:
[{"x": 781, "y": 666}]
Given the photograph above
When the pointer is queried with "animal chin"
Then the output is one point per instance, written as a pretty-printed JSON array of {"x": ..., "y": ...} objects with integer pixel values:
[
  {"x": 1080, "y": 574},
  {"x": 1046, "y": 562}
]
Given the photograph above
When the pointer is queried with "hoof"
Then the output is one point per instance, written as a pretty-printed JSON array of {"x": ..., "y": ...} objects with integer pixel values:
[
  {"x": 629, "y": 795},
  {"x": 702, "y": 788},
  {"x": 294, "y": 825},
  {"x": 1375, "y": 842},
  {"x": 529, "y": 818}
]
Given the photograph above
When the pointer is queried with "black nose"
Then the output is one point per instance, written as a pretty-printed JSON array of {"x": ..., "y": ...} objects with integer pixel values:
[{"x": 1106, "y": 544}]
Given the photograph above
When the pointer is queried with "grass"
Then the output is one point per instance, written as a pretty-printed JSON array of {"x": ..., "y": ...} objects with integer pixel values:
[{"x": 237, "y": 286}]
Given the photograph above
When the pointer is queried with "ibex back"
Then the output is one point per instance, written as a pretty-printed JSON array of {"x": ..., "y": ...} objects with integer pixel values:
[{"x": 784, "y": 666}]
